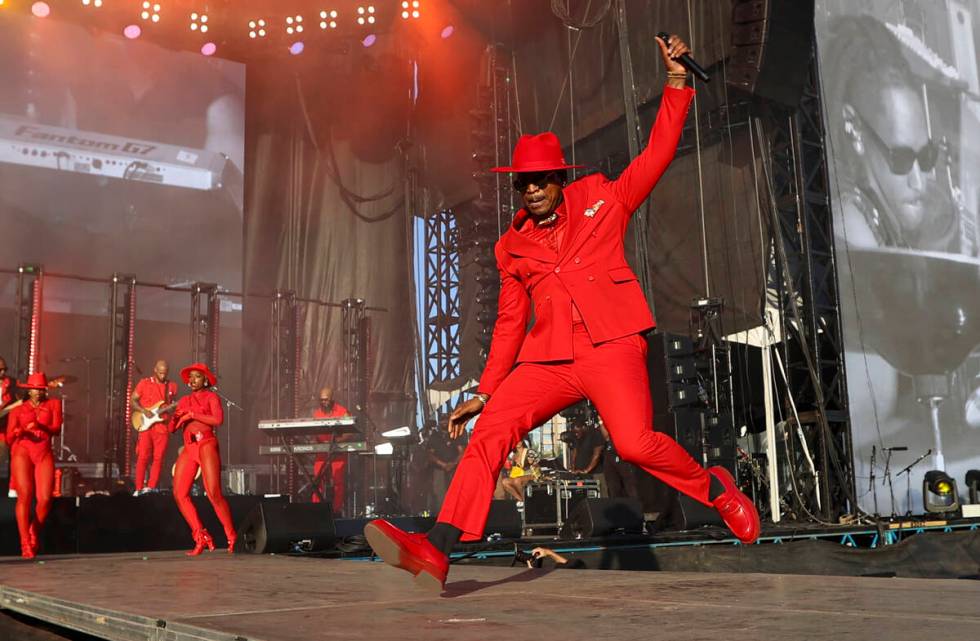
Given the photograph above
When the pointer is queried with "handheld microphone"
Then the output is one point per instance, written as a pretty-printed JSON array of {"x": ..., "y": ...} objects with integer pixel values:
[{"x": 687, "y": 60}]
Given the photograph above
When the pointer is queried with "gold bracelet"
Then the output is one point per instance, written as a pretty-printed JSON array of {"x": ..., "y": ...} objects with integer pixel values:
[{"x": 677, "y": 74}]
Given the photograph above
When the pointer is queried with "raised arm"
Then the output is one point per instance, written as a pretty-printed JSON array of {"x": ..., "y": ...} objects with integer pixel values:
[{"x": 638, "y": 179}]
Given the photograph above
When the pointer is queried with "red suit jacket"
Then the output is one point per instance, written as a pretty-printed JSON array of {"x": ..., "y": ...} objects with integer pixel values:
[{"x": 590, "y": 270}]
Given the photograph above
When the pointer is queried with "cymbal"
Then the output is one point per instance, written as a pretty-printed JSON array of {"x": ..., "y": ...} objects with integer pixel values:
[{"x": 61, "y": 381}]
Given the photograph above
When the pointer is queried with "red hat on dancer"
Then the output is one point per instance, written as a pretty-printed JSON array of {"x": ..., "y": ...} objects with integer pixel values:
[
  {"x": 202, "y": 368},
  {"x": 540, "y": 152},
  {"x": 37, "y": 380}
]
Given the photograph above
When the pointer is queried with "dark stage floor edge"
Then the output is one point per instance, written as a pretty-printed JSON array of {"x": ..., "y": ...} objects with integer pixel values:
[{"x": 217, "y": 597}]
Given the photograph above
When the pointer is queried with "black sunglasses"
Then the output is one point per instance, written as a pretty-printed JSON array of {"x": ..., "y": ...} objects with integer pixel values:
[
  {"x": 538, "y": 179},
  {"x": 901, "y": 159}
]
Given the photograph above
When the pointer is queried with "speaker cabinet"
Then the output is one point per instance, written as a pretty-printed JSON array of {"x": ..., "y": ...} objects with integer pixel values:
[
  {"x": 602, "y": 517},
  {"x": 504, "y": 520},
  {"x": 772, "y": 42},
  {"x": 287, "y": 527}
]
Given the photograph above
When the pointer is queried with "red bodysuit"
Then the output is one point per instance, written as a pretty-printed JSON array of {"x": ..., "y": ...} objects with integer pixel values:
[
  {"x": 338, "y": 461},
  {"x": 29, "y": 431},
  {"x": 200, "y": 450}
]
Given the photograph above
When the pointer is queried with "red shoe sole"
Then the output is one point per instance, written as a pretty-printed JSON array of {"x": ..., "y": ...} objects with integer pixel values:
[{"x": 391, "y": 553}]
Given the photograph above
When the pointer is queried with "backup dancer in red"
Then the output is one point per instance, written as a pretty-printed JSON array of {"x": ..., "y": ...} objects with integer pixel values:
[
  {"x": 29, "y": 430},
  {"x": 199, "y": 414},
  {"x": 563, "y": 257}
]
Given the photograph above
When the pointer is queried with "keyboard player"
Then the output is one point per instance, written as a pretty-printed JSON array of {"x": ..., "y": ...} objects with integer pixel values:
[{"x": 332, "y": 463}]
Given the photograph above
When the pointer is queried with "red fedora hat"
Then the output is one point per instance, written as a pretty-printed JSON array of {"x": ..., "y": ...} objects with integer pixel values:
[
  {"x": 539, "y": 152},
  {"x": 202, "y": 368},
  {"x": 37, "y": 380}
]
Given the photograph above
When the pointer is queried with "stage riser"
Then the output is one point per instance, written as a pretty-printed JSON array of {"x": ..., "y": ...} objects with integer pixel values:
[{"x": 103, "y": 524}]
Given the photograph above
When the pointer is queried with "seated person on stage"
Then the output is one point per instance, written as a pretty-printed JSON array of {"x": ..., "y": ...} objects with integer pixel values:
[
  {"x": 442, "y": 456},
  {"x": 586, "y": 449},
  {"x": 329, "y": 408},
  {"x": 524, "y": 468}
]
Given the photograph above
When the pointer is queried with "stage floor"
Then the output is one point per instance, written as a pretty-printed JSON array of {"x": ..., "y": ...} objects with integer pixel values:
[{"x": 277, "y": 598}]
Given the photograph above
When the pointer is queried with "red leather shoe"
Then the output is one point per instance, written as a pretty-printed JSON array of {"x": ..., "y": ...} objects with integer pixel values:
[
  {"x": 201, "y": 540},
  {"x": 411, "y": 552},
  {"x": 26, "y": 551},
  {"x": 735, "y": 508}
]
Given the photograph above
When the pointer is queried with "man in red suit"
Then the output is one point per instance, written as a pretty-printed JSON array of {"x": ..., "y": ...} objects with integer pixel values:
[
  {"x": 153, "y": 393},
  {"x": 563, "y": 258},
  {"x": 337, "y": 461}
]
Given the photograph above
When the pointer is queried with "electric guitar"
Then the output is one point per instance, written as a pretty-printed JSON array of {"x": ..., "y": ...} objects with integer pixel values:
[{"x": 142, "y": 423}]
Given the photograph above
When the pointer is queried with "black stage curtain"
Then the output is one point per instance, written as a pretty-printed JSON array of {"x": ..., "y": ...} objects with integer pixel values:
[{"x": 305, "y": 232}]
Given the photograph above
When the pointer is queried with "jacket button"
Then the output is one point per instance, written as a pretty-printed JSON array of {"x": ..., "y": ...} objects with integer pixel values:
[
  {"x": 591, "y": 277},
  {"x": 557, "y": 269},
  {"x": 577, "y": 260}
]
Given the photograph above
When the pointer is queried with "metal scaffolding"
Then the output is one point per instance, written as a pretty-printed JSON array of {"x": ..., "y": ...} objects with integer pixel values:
[
  {"x": 30, "y": 280},
  {"x": 808, "y": 295},
  {"x": 355, "y": 367},
  {"x": 119, "y": 375},
  {"x": 285, "y": 355},
  {"x": 205, "y": 306},
  {"x": 442, "y": 299}
]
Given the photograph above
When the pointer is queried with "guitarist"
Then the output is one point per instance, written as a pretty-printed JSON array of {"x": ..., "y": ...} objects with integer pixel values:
[{"x": 153, "y": 391}]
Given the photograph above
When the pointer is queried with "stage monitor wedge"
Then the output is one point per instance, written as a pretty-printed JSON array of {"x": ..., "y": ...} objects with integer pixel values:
[{"x": 273, "y": 527}]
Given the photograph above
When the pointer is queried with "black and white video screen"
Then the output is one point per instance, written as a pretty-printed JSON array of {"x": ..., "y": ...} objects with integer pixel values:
[
  {"x": 118, "y": 156},
  {"x": 902, "y": 106}
]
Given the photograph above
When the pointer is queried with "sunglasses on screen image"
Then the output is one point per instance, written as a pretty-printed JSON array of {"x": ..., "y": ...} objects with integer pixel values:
[
  {"x": 538, "y": 179},
  {"x": 900, "y": 158}
]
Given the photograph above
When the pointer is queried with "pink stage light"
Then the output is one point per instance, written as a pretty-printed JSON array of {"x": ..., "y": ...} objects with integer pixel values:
[
  {"x": 447, "y": 31},
  {"x": 209, "y": 48},
  {"x": 369, "y": 40},
  {"x": 296, "y": 48},
  {"x": 132, "y": 31},
  {"x": 41, "y": 9}
]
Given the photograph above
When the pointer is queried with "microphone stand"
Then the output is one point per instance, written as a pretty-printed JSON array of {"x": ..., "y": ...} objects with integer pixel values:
[
  {"x": 229, "y": 404},
  {"x": 908, "y": 481},
  {"x": 871, "y": 483}
]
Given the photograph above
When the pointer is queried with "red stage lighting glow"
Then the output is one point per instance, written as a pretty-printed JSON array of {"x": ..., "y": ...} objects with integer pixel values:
[
  {"x": 89, "y": 3},
  {"x": 132, "y": 31},
  {"x": 411, "y": 9},
  {"x": 41, "y": 9}
]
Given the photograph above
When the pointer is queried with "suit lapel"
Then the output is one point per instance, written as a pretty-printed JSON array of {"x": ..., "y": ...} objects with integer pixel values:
[
  {"x": 585, "y": 210},
  {"x": 518, "y": 244}
]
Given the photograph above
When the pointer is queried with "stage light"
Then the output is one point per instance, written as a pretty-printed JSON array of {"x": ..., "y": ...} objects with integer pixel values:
[
  {"x": 41, "y": 9},
  {"x": 256, "y": 28},
  {"x": 132, "y": 31},
  {"x": 89, "y": 3},
  {"x": 294, "y": 24},
  {"x": 939, "y": 493},
  {"x": 365, "y": 15},
  {"x": 209, "y": 48},
  {"x": 296, "y": 48},
  {"x": 398, "y": 432},
  {"x": 384, "y": 449},
  {"x": 151, "y": 11},
  {"x": 328, "y": 19},
  {"x": 199, "y": 22},
  {"x": 447, "y": 31},
  {"x": 369, "y": 40},
  {"x": 411, "y": 9}
]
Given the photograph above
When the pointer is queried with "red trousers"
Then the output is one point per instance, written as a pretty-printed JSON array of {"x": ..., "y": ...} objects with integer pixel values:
[
  {"x": 613, "y": 375},
  {"x": 338, "y": 469},
  {"x": 151, "y": 445},
  {"x": 32, "y": 475},
  {"x": 204, "y": 455}
]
